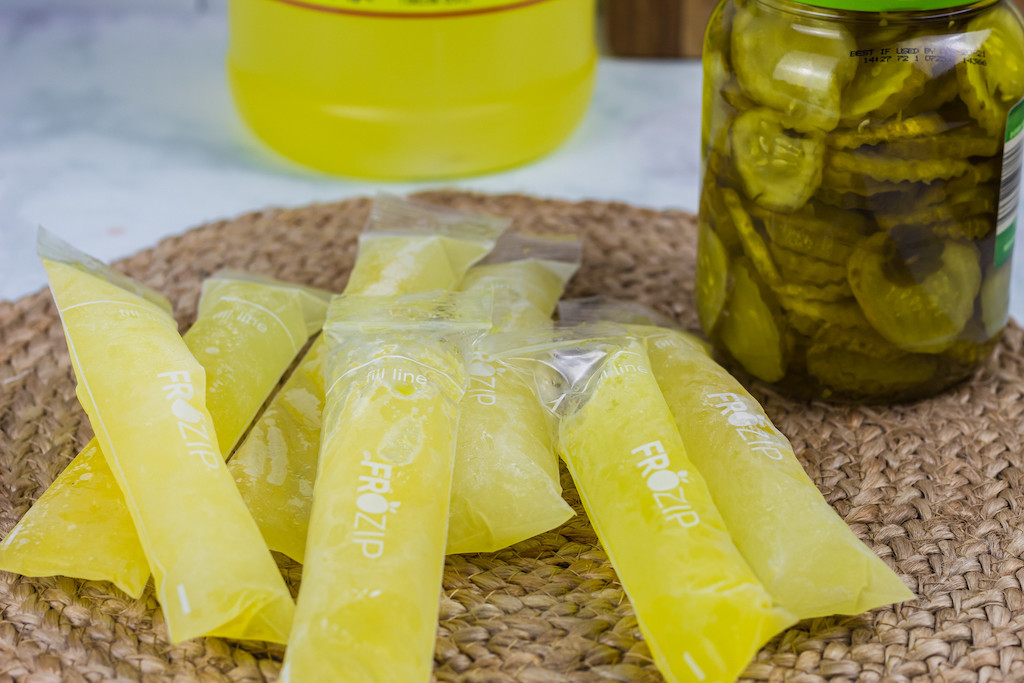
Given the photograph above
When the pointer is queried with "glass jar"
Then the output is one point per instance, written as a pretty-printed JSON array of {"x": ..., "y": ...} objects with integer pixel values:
[
  {"x": 859, "y": 191},
  {"x": 411, "y": 89}
]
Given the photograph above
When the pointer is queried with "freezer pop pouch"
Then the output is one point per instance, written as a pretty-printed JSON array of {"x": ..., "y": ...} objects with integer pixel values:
[
  {"x": 145, "y": 395},
  {"x": 396, "y": 372},
  {"x": 505, "y": 487},
  {"x": 247, "y": 332},
  {"x": 261, "y": 325},
  {"x": 407, "y": 246},
  {"x": 275, "y": 467},
  {"x": 413, "y": 246},
  {"x": 278, "y": 295},
  {"x": 806, "y": 555},
  {"x": 700, "y": 607},
  {"x": 528, "y": 274}
]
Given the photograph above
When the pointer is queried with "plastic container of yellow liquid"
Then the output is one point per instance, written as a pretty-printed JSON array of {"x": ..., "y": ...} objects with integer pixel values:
[{"x": 406, "y": 89}]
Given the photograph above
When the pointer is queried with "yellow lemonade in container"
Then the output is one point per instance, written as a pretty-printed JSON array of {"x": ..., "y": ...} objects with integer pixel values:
[{"x": 408, "y": 89}]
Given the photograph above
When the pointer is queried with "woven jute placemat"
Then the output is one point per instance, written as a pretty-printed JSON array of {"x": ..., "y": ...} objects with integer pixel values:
[{"x": 935, "y": 488}]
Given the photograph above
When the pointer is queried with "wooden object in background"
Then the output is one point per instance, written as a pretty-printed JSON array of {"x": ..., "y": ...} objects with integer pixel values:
[
  {"x": 657, "y": 28},
  {"x": 1020, "y": 3}
]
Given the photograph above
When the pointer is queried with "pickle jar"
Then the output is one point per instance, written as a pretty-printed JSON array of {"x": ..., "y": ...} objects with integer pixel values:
[{"x": 859, "y": 191}]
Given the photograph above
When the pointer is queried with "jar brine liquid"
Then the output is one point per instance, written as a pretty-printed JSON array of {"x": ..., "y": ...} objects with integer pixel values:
[
  {"x": 859, "y": 197},
  {"x": 399, "y": 89}
]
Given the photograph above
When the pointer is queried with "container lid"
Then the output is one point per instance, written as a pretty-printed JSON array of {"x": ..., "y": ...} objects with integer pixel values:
[{"x": 888, "y": 5}]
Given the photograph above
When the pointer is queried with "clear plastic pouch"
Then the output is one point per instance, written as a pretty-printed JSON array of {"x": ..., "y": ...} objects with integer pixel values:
[
  {"x": 803, "y": 552},
  {"x": 505, "y": 487},
  {"x": 699, "y": 605},
  {"x": 414, "y": 246},
  {"x": 528, "y": 274},
  {"x": 407, "y": 246},
  {"x": 145, "y": 395},
  {"x": 246, "y": 334},
  {"x": 396, "y": 371}
]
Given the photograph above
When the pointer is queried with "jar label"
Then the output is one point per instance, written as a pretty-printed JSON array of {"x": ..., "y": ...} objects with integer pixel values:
[
  {"x": 410, "y": 8},
  {"x": 1009, "y": 188}
]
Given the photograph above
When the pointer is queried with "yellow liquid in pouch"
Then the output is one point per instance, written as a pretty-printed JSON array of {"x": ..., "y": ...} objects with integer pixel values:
[
  {"x": 367, "y": 606},
  {"x": 699, "y": 605},
  {"x": 245, "y": 337},
  {"x": 803, "y": 552},
  {"x": 79, "y": 527},
  {"x": 275, "y": 468},
  {"x": 380, "y": 93},
  {"x": 526, "y": 291},
  {"x": 408, "y": 246},
  {"x": 389, "y": 264},
  {"x": 505, "y": 486},
  {"x": 145, "y": 393},
  {"x": 376, "y": 537}
]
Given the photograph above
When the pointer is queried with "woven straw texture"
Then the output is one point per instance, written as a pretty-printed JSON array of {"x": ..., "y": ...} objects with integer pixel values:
[{"x": 935, "y": 488}]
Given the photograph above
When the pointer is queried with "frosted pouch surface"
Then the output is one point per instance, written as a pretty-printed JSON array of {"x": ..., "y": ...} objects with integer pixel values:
[
  {"x": 412, "y": 246},
  {"x": 505, "y": 487},
  {"x": 699, "y": 605},
  {"x": 245, "y": 336},
  {"x": 275, "y": 466},
  {"x": 804, "y": 553},
  {"x": 395, "y": 373},
  {"x": 145, "y": 395}
]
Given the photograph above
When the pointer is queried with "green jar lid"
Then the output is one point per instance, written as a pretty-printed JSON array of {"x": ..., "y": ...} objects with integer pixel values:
[{"x": 888, "y": 5}]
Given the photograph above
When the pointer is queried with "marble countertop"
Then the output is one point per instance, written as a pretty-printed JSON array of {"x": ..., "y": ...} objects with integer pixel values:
[{"x": 117, "y": 130}]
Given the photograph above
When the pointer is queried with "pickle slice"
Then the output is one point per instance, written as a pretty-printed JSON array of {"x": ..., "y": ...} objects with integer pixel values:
[
  {"x": 987, "y": 195},
  {"x": 910, "y": 89},
  {"x": 969, "y": 353},
  {"x": 976, "y": 175},
  {"x": 716, "y": 114},
  {"x": 992, "y": 79},
  {"x": 716, "y": 213},
  {"x": 995, "y": 299},
  {"x": 754, "y": 245},
  {"x": 919, "y": 314},
  {"x": 860, "y": 374},
  {"x": 843, "y": 167},
  {"x": 880, "y": 90},
  {"x": 798, "y": 266},
  {"x": 721, "y": 169},
  {"x": 862, "y": 201},
  {"x": 945, "y": 216},
  {"x": 862, "y": 340},
  {"x": 969, "y": 141},
  {"x": 909, "y": 194},
  {"x": 816, "y": 230},
  {"x": 924, "y": 125},
  {"x": 869, "y": 188},
  {"x": 750, "y": 330},
  {"x": 971, "y": 228},
  {"x": 827, "y": 293},
  {"x": 940, "y": 90},
  {"x": 797, "y": 66},
  {"x": 712, "y": 284},
  {"x": 779, "y": 169},
  {"x": 842, "y": 199},
  {"x": 735, "y": 97},
  {"x": 812, "y": 316}
]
